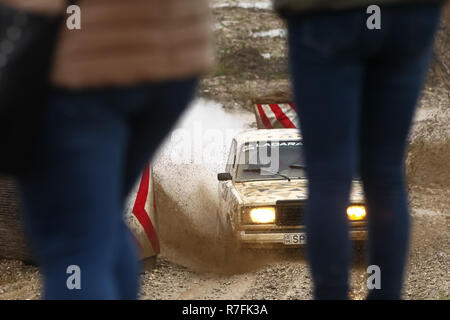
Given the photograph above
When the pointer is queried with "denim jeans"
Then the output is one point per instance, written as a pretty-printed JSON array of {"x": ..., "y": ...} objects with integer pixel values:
[
  {"x": 94, "y": 146},
  {"x": 356, "y": 91}
]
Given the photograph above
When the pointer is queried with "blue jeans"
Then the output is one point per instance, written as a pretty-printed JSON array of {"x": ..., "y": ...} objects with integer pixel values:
[
  {"x": 356, "y": 91},
  {"x": 94, "y": 147}
]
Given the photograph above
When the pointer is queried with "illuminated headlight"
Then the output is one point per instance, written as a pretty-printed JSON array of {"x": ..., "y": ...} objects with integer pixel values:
[
  {"x": 262, "y": 215},
  {"x": 356, "y": 213}
]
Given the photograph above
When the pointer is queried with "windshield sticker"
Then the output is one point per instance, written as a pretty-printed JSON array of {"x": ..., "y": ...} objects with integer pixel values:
[{"x": 269, "y": 144}]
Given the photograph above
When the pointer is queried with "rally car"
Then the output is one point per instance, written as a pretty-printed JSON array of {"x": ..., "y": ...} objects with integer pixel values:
[{"x": 263, "y": 190}]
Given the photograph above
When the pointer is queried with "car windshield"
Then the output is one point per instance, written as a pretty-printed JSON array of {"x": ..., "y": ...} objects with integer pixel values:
[{"x": 271, "y": 160}]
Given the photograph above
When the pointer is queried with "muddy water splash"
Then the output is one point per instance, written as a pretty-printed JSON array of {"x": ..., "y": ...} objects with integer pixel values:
[{"x": 185, "y": 172}]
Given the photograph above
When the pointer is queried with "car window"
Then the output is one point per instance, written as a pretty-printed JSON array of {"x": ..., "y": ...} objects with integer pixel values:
[
  {"x": 231, "y": 158},
  {"x": 271, "y": 160}
]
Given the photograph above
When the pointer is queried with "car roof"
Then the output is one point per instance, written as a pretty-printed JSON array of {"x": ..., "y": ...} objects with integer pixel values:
[{"x": 267, "y": 135}]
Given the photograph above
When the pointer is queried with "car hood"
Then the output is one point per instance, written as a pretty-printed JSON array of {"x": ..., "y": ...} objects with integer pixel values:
[{"x": 269, "y": 192}]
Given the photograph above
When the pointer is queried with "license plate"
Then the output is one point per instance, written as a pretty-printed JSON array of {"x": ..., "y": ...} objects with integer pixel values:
[{"x": 294, "y": 238}]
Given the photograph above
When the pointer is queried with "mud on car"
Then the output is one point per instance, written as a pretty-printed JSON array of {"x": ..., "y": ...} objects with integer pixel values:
[{"x": 261, "y": 204}]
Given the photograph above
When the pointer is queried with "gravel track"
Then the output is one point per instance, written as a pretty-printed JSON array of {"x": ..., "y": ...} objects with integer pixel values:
[{"x": 189, "y": 266}]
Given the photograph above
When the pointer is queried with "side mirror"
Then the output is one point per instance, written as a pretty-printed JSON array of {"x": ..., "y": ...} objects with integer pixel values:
[{"x": 225, "y": 176}]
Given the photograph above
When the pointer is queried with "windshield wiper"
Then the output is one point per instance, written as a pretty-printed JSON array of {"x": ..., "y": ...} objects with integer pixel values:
[
  {"x": 297, "y": 166},
  {"x": 258, "y": 170},
  {"x": 271, "y": 172},
  {"x": 277, "y": 174}
]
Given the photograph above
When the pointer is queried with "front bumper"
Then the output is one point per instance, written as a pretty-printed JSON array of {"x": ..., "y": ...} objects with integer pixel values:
[{"x": 267, "y": 239}]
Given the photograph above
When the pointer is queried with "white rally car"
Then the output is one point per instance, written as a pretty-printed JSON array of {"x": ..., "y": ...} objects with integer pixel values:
[{"x": 263, "y": 190}]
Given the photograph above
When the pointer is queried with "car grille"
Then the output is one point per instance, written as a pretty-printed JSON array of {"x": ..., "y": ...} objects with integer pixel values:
[{"x": 290, "y": 212}]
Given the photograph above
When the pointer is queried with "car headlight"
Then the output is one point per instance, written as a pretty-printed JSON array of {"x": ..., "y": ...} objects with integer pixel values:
[
  {"x": 262, "y": 215},
  {"x": 356, "y": 212}
]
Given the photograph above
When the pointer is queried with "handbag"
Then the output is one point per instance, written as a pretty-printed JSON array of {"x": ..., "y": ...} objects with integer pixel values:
[{"x": 27, "y": 45}]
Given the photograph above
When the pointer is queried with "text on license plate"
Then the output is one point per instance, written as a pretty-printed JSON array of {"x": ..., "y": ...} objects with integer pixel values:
[{"x": 294, "y": 238}]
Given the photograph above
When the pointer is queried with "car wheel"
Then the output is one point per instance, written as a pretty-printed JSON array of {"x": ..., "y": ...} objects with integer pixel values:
[
  {"x": 359, "y": 246},
  {"x": 359, "y": 251},
  {"x": 228, "y": 246}
]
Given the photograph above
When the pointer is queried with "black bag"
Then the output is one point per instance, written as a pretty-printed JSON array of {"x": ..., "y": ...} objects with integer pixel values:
[{"x": 27, "y": 44}]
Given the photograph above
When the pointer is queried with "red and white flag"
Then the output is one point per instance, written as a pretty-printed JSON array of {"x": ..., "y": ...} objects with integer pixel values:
[{"x": 276, "y": 115}]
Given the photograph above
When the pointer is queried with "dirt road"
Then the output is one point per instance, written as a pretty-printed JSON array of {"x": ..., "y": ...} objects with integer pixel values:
[{"x": 283, "y": 275}]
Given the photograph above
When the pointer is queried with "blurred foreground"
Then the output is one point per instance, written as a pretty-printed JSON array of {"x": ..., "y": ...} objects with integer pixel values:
[{"x": 252, "y": 64}]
